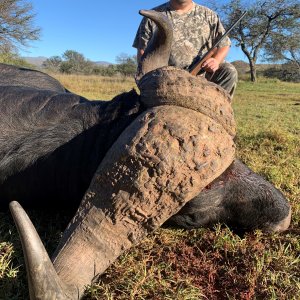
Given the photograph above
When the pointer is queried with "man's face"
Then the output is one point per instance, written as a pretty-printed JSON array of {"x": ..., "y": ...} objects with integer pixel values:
[{"x": 182, "y": 1}]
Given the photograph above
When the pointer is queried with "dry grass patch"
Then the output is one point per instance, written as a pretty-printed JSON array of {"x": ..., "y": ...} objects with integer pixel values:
[{"x": 96, "y": 87}]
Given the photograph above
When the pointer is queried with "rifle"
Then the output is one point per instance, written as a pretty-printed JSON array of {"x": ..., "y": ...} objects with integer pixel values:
[{"x": 196, "y": 67}]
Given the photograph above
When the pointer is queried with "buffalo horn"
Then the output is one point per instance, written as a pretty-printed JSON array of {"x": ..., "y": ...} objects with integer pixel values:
[
  {"x": 44, "y": 283},
  {"x": 157, "y": 52}
]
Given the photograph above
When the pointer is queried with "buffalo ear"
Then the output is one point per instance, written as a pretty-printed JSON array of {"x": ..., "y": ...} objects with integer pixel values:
[{"x": 43, "y": 281}]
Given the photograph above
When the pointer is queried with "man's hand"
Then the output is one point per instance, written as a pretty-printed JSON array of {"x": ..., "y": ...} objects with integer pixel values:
[{"x": 211, "y": 65}]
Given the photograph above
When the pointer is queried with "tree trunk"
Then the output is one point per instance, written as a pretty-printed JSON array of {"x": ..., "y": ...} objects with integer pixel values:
[
  {"x": 252, "y": 70},
  {"x": 252, "y": 62}
]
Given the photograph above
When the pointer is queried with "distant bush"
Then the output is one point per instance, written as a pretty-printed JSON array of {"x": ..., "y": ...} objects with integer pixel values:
[
  {"x": 72, "y": 62},
  {"x": 241, "y": 67},
  {"x": 285, "y": 72},
  {"x": 127, "y": 64},
  {"x": 14, "y": 59},
  {"x": 110, "y": 70}
]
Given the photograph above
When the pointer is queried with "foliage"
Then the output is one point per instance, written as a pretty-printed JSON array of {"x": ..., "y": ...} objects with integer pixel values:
[
  {"x": 16, "y": 25},
  {"x": 127, "y": 65},
  {"x": 52, "y": 63},
  {"x": 13, "y": 59},
  {"x": 73, "y": 62},
  {"x": 110, "y": 70},
  {"x": 264, "y": 19},
  {"x": 241, "y": 66},
  {"x": 205, "y": 263},
  {"x": 284, "y": 45},
  {"x": 285, "y": 72}
]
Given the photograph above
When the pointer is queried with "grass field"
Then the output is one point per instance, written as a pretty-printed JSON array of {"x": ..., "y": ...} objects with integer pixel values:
[{"x": 204, "y": 263}]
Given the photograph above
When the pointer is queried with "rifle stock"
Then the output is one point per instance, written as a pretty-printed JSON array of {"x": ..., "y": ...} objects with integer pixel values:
[{"x": 198, "y": 66}]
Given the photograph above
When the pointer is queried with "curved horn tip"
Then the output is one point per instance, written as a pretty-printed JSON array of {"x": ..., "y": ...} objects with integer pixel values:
[
  {"x": 146, "y": 13},
  {"x": 43, "y": 280},
  {"x": 14, "y": 205},
  {"x": 17, "y": 211},
  {"x": 142, "y": 11}
]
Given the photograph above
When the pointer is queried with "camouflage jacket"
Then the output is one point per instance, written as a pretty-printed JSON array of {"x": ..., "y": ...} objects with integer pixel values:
[{"x": 194, "y": 33}]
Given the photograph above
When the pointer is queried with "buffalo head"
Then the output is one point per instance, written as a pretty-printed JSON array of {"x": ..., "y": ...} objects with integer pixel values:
[{"x": 179, "y": 143}]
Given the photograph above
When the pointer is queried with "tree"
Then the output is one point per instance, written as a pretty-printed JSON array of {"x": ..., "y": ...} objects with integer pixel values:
[
  {"x": 52, "y": 63},
  {"x": 75, "y": 62},
  {"x": 262, "y": 21},
  {"x": 284, "y": 72},
  {"x": 14, "y": 59},
  {"x": 287, "y": 47},
  {"x": 127, "y": 65},
  {"x": 70, "y": 62},
  {"x": 109, "y": 70},
  {"x": 16, "y": 25}
]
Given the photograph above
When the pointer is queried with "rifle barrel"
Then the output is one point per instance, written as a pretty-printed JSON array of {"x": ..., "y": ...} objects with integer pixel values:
[{"x": 230, "y": 29}]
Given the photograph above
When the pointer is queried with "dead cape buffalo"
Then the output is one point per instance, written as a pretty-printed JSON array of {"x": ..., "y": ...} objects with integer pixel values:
[{"x": 130, "y": 164}]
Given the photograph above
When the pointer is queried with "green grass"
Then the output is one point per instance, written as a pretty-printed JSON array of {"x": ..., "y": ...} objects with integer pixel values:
[
  {"x": 268, "y": 138},
  {"x": 203, "y": 263}
]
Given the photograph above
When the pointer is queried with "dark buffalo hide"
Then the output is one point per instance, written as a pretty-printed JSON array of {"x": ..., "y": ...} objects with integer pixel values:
[{"x": 52, "y": 141}]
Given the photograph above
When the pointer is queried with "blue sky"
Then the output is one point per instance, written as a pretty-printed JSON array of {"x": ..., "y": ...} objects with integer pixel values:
[{"x": 100, "y": 30}]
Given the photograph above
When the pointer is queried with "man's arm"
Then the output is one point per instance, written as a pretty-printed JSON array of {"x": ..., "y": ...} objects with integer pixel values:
[
  {"x": 212, "y": 64},
  {"x": 143, "y": 35},
  {"x": 139, "y": 55}
]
